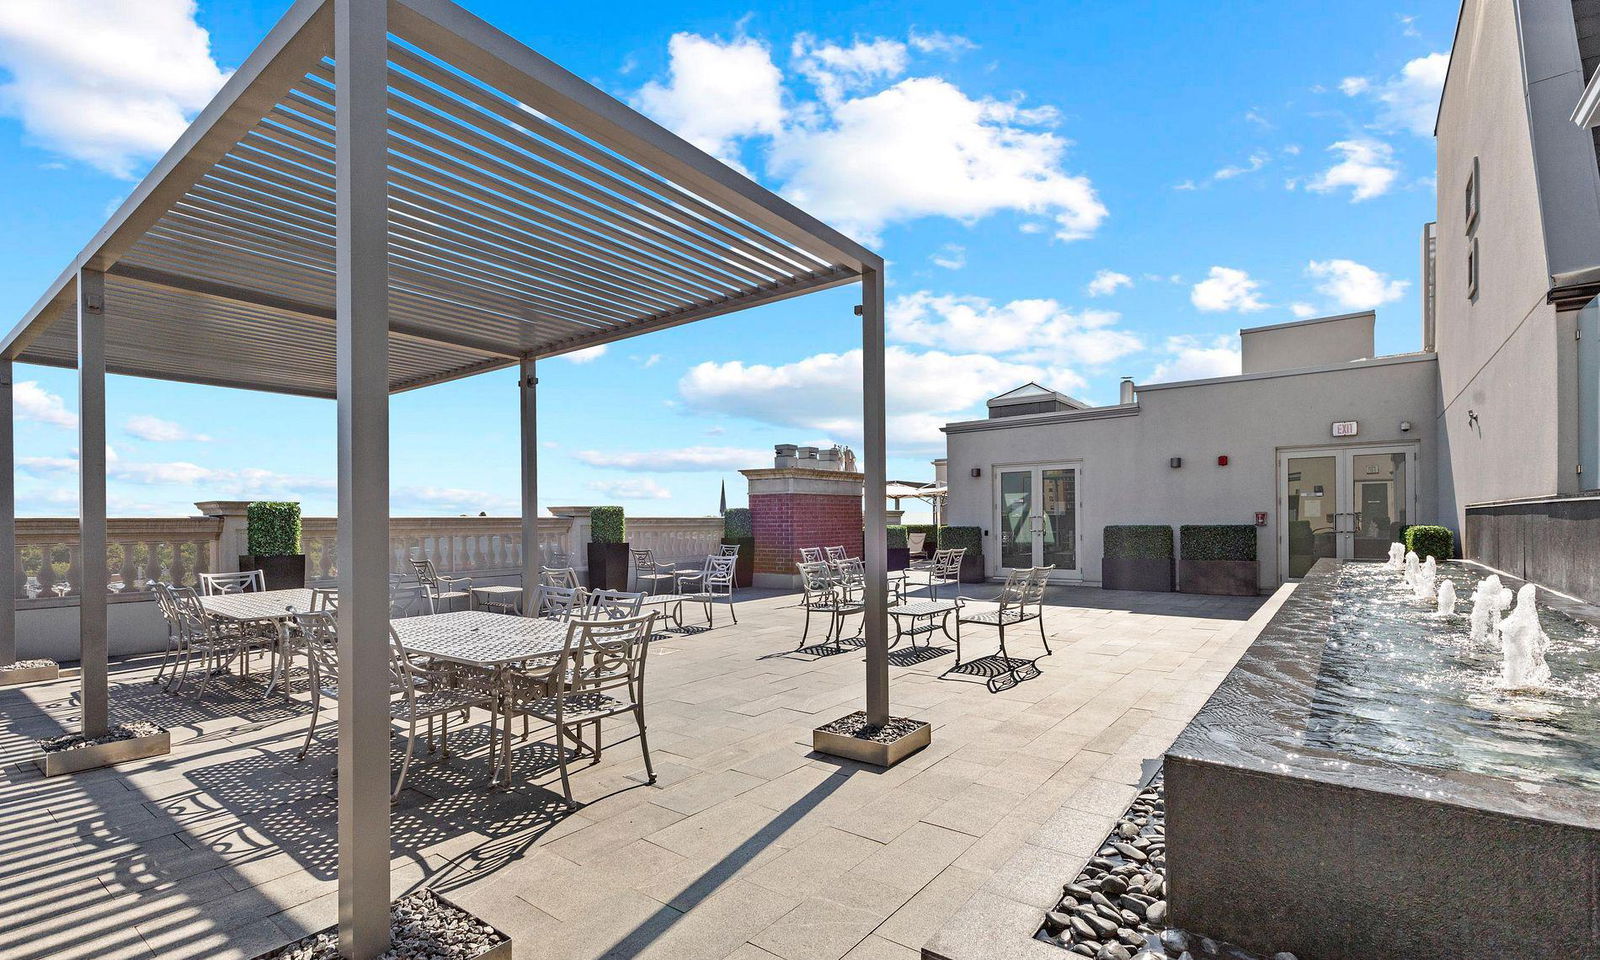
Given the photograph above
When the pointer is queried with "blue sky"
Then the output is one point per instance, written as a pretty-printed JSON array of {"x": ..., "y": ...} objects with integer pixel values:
[{"x": 1065, "y": 191}]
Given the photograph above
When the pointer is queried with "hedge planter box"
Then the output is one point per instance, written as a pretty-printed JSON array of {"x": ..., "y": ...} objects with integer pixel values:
[
  {"x": 422, "y": 924},
  {"x": 972, "y": 567},
  {"x": 880, "y": 748},
  {"x": 1137, "y": 573},
  {"x": 71, "y": 754},
  {"x": 608, "y": 566},
  {"x": 29, "y": 671},
  {"x": 1223, "y": 578},
  {"x": 281, "y": 573},
  {"x": 744, "y": 568},
  {"x": 899, "y": 558}
]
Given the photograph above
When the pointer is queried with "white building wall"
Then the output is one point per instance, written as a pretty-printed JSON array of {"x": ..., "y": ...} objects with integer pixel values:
[{"x": 1126, "y": 477}]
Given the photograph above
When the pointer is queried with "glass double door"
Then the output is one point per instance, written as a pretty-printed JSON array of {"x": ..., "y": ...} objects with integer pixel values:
[
  {"x": 1038, "y": 517},
  {"x": 1347, "y": 503}
]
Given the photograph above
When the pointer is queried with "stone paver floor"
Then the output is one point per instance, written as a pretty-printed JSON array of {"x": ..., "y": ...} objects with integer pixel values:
[{"x": 748, "y": 847}]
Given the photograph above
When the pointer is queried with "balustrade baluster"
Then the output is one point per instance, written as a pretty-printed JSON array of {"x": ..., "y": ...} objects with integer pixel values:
[
  {"x": 130, "y": 566},
  {"x": 74, "y": 571},
  {"x": 152, "y": 562},
  {"x": 180, "y": 572},
  {"x": 202, "y": 557},
  {"x": 47, "y": 569}
]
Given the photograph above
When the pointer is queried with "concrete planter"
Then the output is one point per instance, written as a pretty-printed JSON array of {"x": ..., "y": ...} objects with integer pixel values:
[
  {"x": 98, "y": 755},
  {"x": 870, "y": 751},
  {"x": 1222, "y": 578},
  {"x": 899, "y": 558},
  {"x": 281, "y": 572},
  {"x": 608, "y": 566},
  {"x": 1152, "y": 574},
  {"x": 972, "y": 567},
  {"x": 500, "y": 951},
  {"x": 13, "y": 675}
]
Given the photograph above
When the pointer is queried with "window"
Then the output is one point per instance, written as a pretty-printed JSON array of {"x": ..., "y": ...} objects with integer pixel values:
[
  {"x": 1472, "y": 269},
  {"x": 1472, "y": 198}
]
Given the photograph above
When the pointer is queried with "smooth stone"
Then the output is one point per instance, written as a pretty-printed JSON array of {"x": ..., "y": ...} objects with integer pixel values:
[
  {"x": 1284, "y": 955},
  {"x": 1113, "y": 886},
  {"x": 1102, "y": 927},
  {"x": 1112, "y": 951},
  {"x": 1128, "y": 830},
  {"x": 1174, "y": 941},
  {"x": 1130, "y": 851},
  {"x": 1077, "y": 890},
  {"x": 1082, "y": 950},
  {"x": 1156, "y": 913},
  {"x": 1081, "y": 927},
  {"x": 1055, "y": 921}
]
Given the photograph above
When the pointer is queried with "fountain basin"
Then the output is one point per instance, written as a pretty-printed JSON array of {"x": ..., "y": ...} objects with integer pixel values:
[{"x": 1358, "y": 788}]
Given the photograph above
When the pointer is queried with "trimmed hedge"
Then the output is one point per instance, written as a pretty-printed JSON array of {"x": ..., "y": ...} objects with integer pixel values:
[
  {"x": 897, "y": 535},
  {"x": 953, "y": 538},
  {"x": 1218, "y": 541},
  {"x": 736, "y": 524},
  {"x": 273, "y": 528},
  {"x": 1428, "y": 541},
  {"x": 1138, "y": 542},
  {"x": 607, "y": 525}
]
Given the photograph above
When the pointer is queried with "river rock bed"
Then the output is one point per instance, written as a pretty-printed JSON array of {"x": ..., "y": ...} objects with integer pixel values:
[
  {"x": 27, "y": 664},
  {"x": 855, "y": 725},
  {"x": 424, "y": 928},
  {"x": 1116, "y": 908},
  {"x": 122, "y": 731}
]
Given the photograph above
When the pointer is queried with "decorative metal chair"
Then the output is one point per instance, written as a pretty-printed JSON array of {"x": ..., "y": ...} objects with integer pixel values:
[
  {"x": 1020, "y": 600},
  {"x": 603, "y": 665},
  {"x": 562, "y": 603},
  {"x": 647, "y": 570},
  {"x": 612, "y": 605},
  {"x": 945, "y": 567},
  {"x": 728, "y": 550},
  {"x": 824, "y": 594},
  {"x": 169, "y": 613},
  {"x": 438, "y": 589},
  {"x": 834, "y": 554},
  {"x": 245, "y": 581},
  {"x": 717, "y": 581},
  {"x": 404, "y": 595},
  {"x": 199, "y": 634},
  {"x": 558, "y": 577},
  {"x": 415, "y": 693},
  {"x": 811, "y": 555}
]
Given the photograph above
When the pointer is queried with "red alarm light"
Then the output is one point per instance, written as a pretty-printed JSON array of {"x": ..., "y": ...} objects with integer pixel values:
[{"x": 1222, "y": 461}]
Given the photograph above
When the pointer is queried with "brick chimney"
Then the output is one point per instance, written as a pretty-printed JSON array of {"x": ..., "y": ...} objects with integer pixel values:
[{"x": 801, "y": 502}]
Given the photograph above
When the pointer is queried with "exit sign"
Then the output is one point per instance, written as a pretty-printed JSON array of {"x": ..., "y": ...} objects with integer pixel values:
[{"x": 1345, "y": 428}]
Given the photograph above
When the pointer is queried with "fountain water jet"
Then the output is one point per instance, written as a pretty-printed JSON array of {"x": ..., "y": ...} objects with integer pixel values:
[
  {"x": 1422, "y": 582},
  {"x": 1447, "y": 598},
  {"x": 1522, "y": 645},
  {"x": 1411, "y": 569},
  {"x": 1397, "y": 556},
  {"x": 1488, "y": 600}
]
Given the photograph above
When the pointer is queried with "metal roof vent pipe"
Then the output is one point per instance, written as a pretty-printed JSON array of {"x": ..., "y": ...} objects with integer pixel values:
[{"x": 1127, "y": 391}]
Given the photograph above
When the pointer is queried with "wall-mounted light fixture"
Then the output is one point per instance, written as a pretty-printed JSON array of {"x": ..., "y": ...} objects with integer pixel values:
[
  {"x": 1472, "y": 417},
  {"x": 1175, "y": 462},
  {"x": 1405, "y": 426},
  {"x": 1222, "y": 461},
  {"x": 977, "y": 471}
]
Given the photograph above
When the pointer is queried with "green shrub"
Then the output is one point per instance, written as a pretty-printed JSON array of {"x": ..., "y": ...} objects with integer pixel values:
[
  {"x": 897, "y": 535},
  {"x": 1218, "y": 541},
  {"x": 736, "y": 524},
  {"x": 1427, "y": 541},
  {"x": 954, "y": 538},
  {"x": 273, "y": 527},
  {"x": 1138, "y": 542},
  {"x": 606, "y": 525}
]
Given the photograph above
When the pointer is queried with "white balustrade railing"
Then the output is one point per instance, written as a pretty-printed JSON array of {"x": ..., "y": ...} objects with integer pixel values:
[{"x": 138, "y": 551}]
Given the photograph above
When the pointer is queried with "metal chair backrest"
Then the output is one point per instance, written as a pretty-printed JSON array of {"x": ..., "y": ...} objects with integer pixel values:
[
  {"x": 834, "y": 553},
  {"x": 193, "y": 622},
  {"x": 1038, "y": 581},
  {"x": 719, "y": 571},
  {"x": 560, "y": 602},
  {"x": 728, "y": 550},
  {"x": 165, "y": 603},
  {"x": 916, "y": 542},
  {"x": 425, "y": 573},
  {"x": 604, "y": 655},
  {"x": 558, "y": 577},
  {"x": 851, "y": 577},
  {"x": 947, "y": 563},
  {"x": 811, "y": 555},
  {"x": 324, "y": 599},
  {"x": 612, "y": 605},
  {"x": 817, "y": 580},
  {"x": 1014, "y": 593},
  {"x": 643, "y": 557},
  {"x": 245, "y": 581},
  {"x": 318, "y": 632}
]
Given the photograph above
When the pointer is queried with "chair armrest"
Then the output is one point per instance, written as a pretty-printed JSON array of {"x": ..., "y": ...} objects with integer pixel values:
[{"x": 455, "y": 580}]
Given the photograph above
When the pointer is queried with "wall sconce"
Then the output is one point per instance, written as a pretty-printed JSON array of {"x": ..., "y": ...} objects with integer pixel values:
[
  {"x": 977, "y": 471},
  {"x": 1175, "y": 462},
  {"x": 1472, "y": 417},
  {"x": 1405, "y": 426}
]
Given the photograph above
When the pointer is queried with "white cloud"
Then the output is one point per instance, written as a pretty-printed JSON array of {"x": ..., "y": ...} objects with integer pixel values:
[
  {"x": 822, "y": 393},
  {"x": 834, "y": 70},
  {"x": 586, "y": 355},
  {"x": 717, "y": 92},
  {"x": 1409, "y": 100},
  {"x": 1257, "y": 160},
  {"x": 1303, "y": 311},
  {"x": 924, "y": 148},
  {"x": 1191, "y": 358},
  {"x": 951, "y": 256},
  {"x": 631, "y": 488},
  {"x": 452, "y": 500},
  {"x": 1367, "y": 168},
  {"x": 33, "y": 402},
  {"x": 679, "y": 459},
  {"x": 1107, "y": 282},
  {"x": 937, "y": 42},
  {"x": 1355, "y": 286},
  {"x": 1037, "y": 331},
  {"x": 110, "y": 84},
  {"x": 1227, "y": 288},
  {"x": 155, "y": 429}
]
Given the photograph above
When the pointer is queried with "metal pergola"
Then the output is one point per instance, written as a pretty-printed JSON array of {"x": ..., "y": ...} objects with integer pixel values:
[{"x": 390, "y": 194}]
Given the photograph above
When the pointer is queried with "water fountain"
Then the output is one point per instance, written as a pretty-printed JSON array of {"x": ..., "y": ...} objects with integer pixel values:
[
  {"x": 1397, "y": 556},
  {"x": 1412, "y": 568},
  {"x": 1522, "y": 645},
  {"x": 1447, "y": 598},
  {"x": 1489, "y": 600},
  {"x": 1422, "y": 583}
]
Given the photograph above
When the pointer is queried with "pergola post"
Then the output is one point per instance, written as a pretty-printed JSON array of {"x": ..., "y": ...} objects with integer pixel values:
[
  {"x": 8, "y": 523},
  {"x": 92, "y": 654},
  {"x": 532, "y": 551},
  {"x": 875, "y": 544},
  {"x": 362, "y": 322}
]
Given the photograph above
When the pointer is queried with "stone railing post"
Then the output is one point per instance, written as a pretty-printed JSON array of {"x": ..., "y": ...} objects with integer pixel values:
[
  {"x": 234, "y": 540},
  {"x": 577, "y": 537}
]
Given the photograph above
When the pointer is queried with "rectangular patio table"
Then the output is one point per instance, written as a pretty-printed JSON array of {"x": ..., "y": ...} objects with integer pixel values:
[
  {"x": 482, "y": 639},
  {"x": 265, "y": 606}
]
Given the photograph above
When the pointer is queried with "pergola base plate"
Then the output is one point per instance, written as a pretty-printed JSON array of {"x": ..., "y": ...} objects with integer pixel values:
[
  {"x": 871, "y": 751},
  {"x": 13, "y": 674},
  {"x": 95, "y": 755}
]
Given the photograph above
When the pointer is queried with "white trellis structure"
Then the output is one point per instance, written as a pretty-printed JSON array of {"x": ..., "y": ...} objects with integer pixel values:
[{"x": 390, "y": 194}]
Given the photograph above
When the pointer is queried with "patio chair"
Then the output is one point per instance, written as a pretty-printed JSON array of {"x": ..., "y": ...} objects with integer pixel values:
[
  {"x": 811, "y": 555},
  {"x": 199, "y": 634},
  {"x": 834, "y": 554},
  {"x": 916, "y": 542},
  {"x": 439, "y": 589},
  {"x": 822, "y": 593},
  {"x": 415, "y": 693},
  {"x": 404, "y": 595},
  {"x": 945, "y": 567},
  {"x": 562, "y": 603},
  {"x": 612, "y": 605},
  {"x": 1021, "y": 599},
  {"x": 716, "y": 582},
  {"x": 558, "y": 577},
  {"x": 647, "y": 570},
  {"x": 169, "y": 613},
  {"x": 603, "y": 665},
  {"x": 245, "y": 581}
]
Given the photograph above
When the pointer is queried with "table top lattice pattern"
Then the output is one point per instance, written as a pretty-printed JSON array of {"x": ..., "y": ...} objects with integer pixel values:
[
  {"x": 265, "y": 605},
  {"x": 481, "y": 638}
]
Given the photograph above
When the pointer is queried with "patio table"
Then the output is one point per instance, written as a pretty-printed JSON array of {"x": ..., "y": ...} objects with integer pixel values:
[
  {"x": 481, "y": 639},
  {"x": 261, "y": 607},
  {"x": 917, "y": 610}
]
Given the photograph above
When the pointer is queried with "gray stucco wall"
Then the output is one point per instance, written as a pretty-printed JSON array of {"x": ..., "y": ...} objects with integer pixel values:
[
  {"x": 1308, "y": 343},
  {"x": 1126, "y": 478}
]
